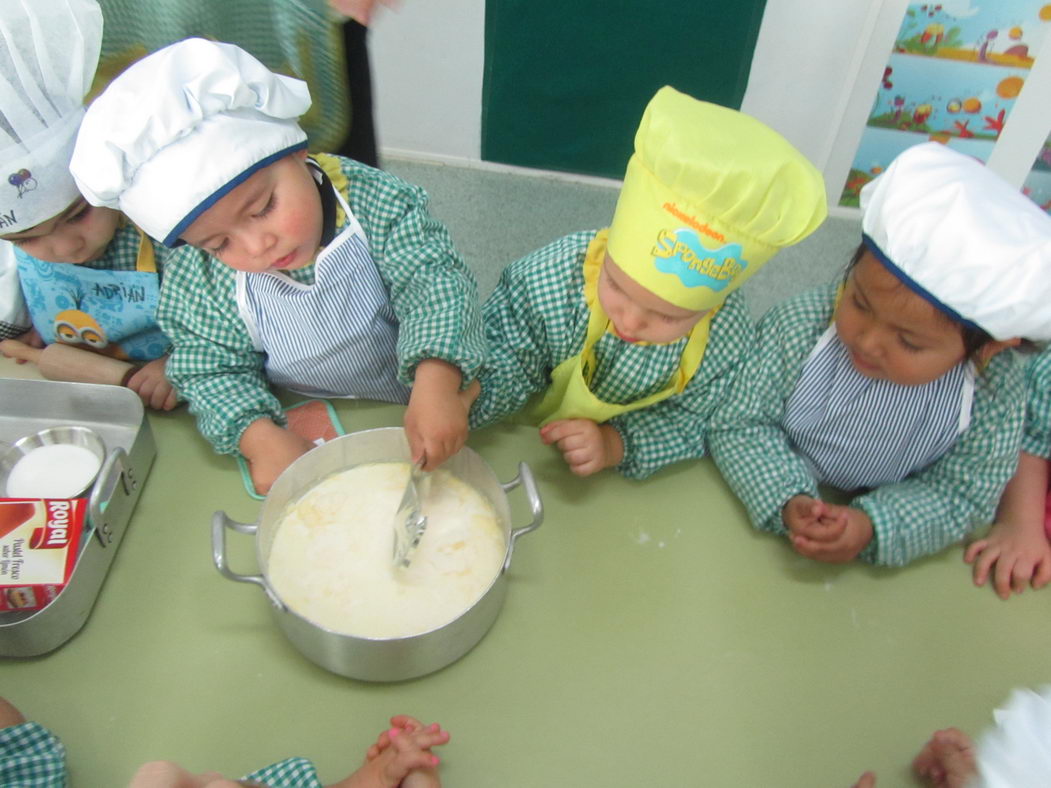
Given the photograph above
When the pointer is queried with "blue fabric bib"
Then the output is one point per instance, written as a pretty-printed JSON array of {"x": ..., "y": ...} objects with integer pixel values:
[{"x": 110, "y": 312}]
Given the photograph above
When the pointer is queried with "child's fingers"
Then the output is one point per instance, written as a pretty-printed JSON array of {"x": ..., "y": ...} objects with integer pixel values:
[
  {"x": 824, "y": 530},
  {"x": 1042, "y": 575},
  {"x": 1002, "y": 575},
  {"x": 983, "y": 562},
  {"x": 558, "y": 430},
  {"x": 402, "y": 763},
  {"x": 582, "y": 462},
  {"x": 171, "y": 400},
  {"x": 974, "y": 550},
  {"x": 1022, "y": 570},
  {"x": 406, "y": 722},
  {"x": 412, "y": 734}
]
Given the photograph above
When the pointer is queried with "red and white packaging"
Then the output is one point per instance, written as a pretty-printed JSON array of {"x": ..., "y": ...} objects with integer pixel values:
[{"x": 39, "y": 544}]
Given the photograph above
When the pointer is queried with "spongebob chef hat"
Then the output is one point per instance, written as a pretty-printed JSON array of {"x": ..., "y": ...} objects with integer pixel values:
[
  {"x": 964, "y": 239},
  {"x": 709, "y": 196},
  {"x": 48, "y": 53},
  {"x": 180, "y": 128}
]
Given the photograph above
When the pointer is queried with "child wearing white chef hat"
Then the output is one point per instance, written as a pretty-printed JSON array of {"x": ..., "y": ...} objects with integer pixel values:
[
  {"x": 331, "y": 278},
  {"x": 897, "y": 384},
  {"x": 627, "y": 337},
  {"x": 105, "y": 301},
  {"x": 1016, "y": 752}
]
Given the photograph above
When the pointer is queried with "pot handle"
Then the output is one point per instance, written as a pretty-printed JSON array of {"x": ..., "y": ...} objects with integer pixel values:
[
  {"x": 526, "y": 480},
  {"x": 220, "y": 522}
]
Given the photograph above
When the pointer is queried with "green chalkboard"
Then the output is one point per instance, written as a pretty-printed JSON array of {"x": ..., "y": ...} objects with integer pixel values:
[{"x": 566, "y": 81}]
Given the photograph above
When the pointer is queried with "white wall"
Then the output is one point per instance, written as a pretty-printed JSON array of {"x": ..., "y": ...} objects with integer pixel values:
[
  {"x": 428, "y": 59},
  {"x": 427, "y": 64},
  {"x": 815, "y": 73},
  {"x": 817, "y": 67}
]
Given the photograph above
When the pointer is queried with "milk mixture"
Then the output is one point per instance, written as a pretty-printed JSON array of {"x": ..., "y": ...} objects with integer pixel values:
[{"x": 332, "y": 556}]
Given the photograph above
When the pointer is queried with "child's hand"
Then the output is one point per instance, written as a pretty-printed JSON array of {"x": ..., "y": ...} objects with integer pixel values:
[
  {"x": 826, "y": 532},
  {"x": 801, "y": 511},
  {"x": 33, "y": 339},
  {"x": 270, "y": 449},
  {"x": 586, "y": 447},
  {"x": 947, "y": 760},
  {"x": 153, "y": 388},
  {"x": 1020, "y": 553},
  {"x": 436, "y": 419},
  {"x": 401, "y": 757}
]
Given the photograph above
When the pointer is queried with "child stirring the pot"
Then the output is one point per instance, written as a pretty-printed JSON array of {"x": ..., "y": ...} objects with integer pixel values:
[
  {"x": 896, "y": 384},
  {"x": 104, "y": 296},
  {"x": 330, "y": 277},
  {"x": 626, "y": 338}
]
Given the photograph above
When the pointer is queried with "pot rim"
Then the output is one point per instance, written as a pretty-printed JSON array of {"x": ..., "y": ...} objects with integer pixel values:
[{"x": 501, "y": 509}]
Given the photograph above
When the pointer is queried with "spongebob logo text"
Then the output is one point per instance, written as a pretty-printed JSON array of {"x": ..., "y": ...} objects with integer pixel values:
[{"x": 681, "y": 253}]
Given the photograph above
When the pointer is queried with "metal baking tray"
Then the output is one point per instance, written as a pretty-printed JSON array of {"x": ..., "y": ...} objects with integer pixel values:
[{"x": 117, "y": 414}]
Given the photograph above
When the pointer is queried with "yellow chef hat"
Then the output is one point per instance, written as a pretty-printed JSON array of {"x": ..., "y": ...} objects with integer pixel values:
[{"x": 709, "y": 196}]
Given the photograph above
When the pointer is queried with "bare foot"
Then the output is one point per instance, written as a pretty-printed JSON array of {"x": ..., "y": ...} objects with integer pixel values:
[{"x": 947, "y": 760}]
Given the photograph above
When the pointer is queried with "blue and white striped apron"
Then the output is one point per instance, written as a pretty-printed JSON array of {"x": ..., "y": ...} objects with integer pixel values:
[
  {"x": 336, "y": 337},
  {"x": 856, "y": 431}
]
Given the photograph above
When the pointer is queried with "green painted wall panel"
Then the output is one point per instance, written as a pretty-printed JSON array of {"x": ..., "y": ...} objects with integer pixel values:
[{"x": 566, "y": 82}]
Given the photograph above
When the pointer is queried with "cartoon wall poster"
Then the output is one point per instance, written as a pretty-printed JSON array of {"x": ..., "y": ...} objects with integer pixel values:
[
  {"x": 1038, "y": 183},
  {"x": 953, "y": 76}
]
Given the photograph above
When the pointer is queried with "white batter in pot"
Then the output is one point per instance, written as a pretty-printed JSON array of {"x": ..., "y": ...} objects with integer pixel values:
[{"x": 331, "y": 558}]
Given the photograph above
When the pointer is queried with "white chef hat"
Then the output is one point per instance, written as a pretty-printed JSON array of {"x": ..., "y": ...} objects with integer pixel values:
[
  {"x": 48, "y": 53},
  {"x": 1018, "y": 750},
  {"x": 182, "y": 127},
  {"x": 964, "y": 239}
]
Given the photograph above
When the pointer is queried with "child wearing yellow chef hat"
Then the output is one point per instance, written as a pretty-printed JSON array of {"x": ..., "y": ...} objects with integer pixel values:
[
  {"x": 102, "y": 296},
  {"x": 330, "y": 277},
  {"x": 626, "y": 338},
  {"x": 898, "y": 384}
]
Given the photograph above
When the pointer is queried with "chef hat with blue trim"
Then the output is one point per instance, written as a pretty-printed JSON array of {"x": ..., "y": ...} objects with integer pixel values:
[
  {"x": 181, "y": 128},
  {"x": 49, "y": 50},
  {"x": 964, "y": 239},
  {"x": 709, "y": 196}
]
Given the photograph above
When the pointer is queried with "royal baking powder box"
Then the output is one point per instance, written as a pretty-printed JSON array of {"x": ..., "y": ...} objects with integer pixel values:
[{"x": 39, "y": 543}]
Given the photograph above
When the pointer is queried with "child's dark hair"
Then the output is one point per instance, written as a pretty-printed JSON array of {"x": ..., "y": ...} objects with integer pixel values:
[{"x": 973, "y": 337}]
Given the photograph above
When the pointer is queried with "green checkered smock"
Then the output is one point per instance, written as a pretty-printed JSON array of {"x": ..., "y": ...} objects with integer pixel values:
[
  {"x": 31, "y": 756},
  {"x": 926, "y": 512},
  {"x": 537, "y": 317},
  {"x": 300, "y": 38},
  {"x": 123, "y": 250},
  {"x": 289, "y": 773},
  {"x": 1037, "y": 437},
  {"x": 214, "y": 364}
]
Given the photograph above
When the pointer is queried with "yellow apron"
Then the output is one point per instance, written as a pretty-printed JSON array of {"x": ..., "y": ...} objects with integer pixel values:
[
  {"x": 145, "y": 260},
  {"x": 569, "y": 396}
]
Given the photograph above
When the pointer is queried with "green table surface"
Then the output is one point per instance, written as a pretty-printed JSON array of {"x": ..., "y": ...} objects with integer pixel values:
[{"x": 649, "y": 636}]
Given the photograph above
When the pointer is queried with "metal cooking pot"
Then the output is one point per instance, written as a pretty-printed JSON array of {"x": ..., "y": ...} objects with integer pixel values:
[{"x": 378, "y": 659}]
